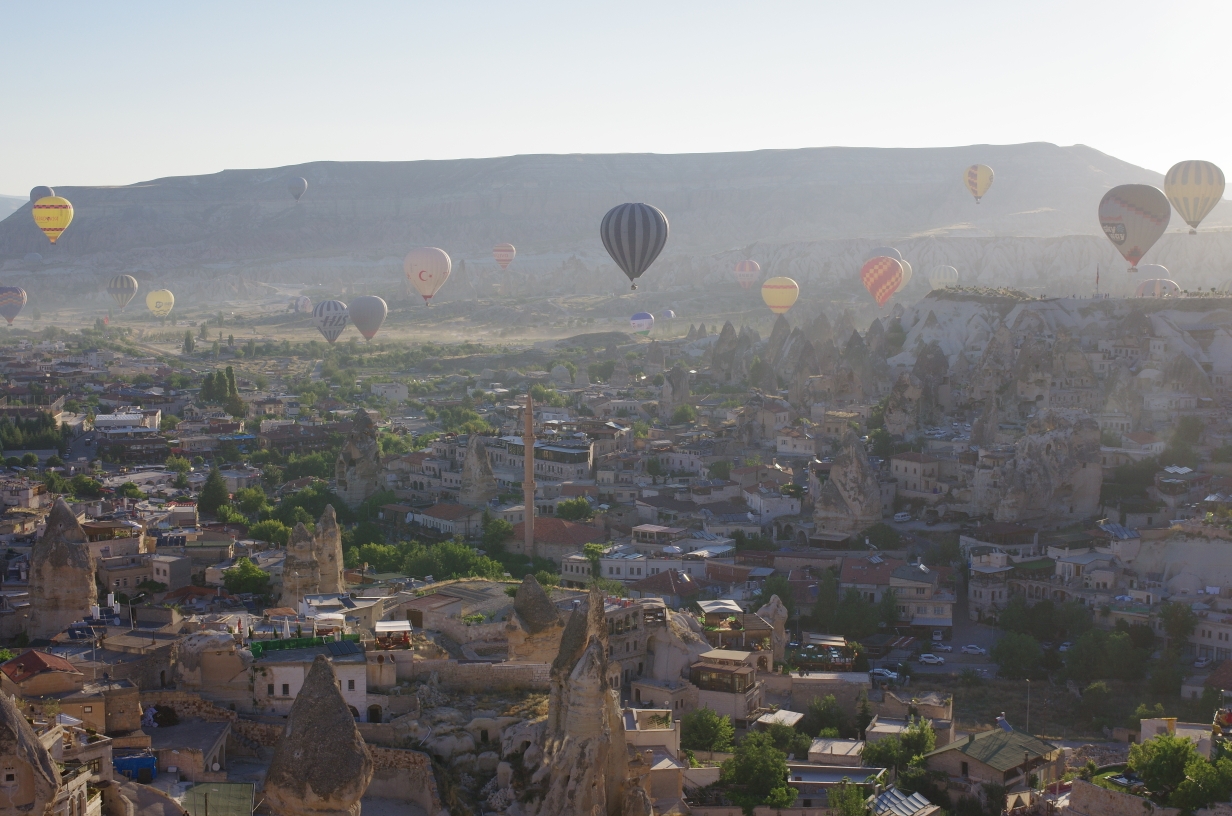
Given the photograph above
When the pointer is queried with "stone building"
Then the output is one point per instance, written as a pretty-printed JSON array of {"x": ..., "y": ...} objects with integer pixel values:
[
  {"x": 62, "y": 586},
  {"x": 321, "y": 766},
  {"x": 357, "y": 472}
]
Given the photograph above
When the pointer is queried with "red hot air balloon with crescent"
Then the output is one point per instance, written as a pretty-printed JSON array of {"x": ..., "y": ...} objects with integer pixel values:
[
  {"x": 747, "y": 273},
  {"x": 881, "y": 277},
  {"x": 504, "y": 254}
]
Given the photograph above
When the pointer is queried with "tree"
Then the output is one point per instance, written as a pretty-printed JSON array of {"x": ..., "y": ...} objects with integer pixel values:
[
  {"x": 1179, "y": 622},
  {"x": 898, "y": 751},
  {"x": 846, "y": 799},
  {"x": 684, "y": 414},
  {"x": 1205, "y": 783},
  {"x": 758, "y": 771},
  {"x": 855, "y": 618},
  {"x": 85, "y": 487},
  {"x": 703, "y": 729},
  {"x": 789, "y": 740},
  {"x": 826, "y": 605},
  {"x": 213, "y": 493},
  {"x": 1161, "y": 762},
  {"x": 496, "y": 531},
  {"x": 578, "y": 509},
  {"x": 1017, "y": 655},
  {"x": 189, "y": 343},
  {"x": 824, "y": 713},
  {"x": 271, "y": 530},
  {"x": 720, "y": 470},
  {"x": 129, "y": 490},
  {"x": 246, "y": 577},
  {"x": 251, "y": 500},
  {"x": 887, "y": 608},
  {"x": 777, "y": 584},
  {"x": 593, "y": 552}
]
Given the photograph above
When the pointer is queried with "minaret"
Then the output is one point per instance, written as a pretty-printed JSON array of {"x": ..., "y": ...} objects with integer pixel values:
[{"x": 528, "y": 480}]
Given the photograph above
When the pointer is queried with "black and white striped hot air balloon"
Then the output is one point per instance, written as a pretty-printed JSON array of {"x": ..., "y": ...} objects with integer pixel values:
[
  {"x": 331, "y": 318},
  {"x": 123, "y": 288},
  {"x": 634, "y": 235}
]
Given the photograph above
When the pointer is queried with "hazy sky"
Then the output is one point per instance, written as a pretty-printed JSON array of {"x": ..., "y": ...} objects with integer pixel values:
[{"x": 114, "y": 93}]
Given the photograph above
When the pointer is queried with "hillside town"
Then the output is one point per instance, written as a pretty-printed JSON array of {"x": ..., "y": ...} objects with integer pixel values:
[{"x": 298, "y": 579}]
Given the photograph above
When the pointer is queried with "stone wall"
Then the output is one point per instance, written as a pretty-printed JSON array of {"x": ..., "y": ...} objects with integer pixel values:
[
  {"x": 474, "y": 677},
  {"x": 1091, "y": 800},
  {"x": 459, "y": 632},
  {"x": 802, "y": 690},
  {"x": 406, "y": 776}
]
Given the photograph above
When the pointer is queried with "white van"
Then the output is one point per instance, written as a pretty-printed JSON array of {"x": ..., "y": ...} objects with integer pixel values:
[{"x": 901, "y": 517}]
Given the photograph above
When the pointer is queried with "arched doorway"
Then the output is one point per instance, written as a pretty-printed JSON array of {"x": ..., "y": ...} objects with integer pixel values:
[
  {"x": 354, "y": 712},
  {"x": 374, "y": 713}
]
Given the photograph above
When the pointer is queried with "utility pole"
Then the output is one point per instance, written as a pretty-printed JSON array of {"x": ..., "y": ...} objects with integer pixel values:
[
  {"x": 528, "y": 479},
  {"x": 1028, "y": 706}
]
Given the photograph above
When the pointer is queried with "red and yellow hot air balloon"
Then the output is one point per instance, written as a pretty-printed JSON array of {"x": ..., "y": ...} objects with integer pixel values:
[
  {"x": 747, "y": 273},
  {"x": 52, "y": 214},
  {"x": 504, "y": 254},
  {"x": 881, "y": 277},
  {"x": 780, "y": 294}
]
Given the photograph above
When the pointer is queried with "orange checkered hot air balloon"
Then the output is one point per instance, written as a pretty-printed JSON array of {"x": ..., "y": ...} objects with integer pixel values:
[
  {"x": 881, "y": 277},
  {"x": 52, "y": 214},
  {"x": 780, "y": 294}
]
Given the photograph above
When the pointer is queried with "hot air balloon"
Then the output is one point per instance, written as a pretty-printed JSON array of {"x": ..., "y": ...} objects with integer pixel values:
[
  {"x": 1133, "y": 217},
  {"x": 160, "y": 302},
  {"x": 330, "y": 317},
  {"x": 52, "y": 214},
  {"x": 504, "y": 253},
  {"x": 885, "y": 252},
  {"x": 881, "y": 277},
  {"x": 978, "y": 179},
  {"x": 780, "y": 294},
  {"x": 943, "y": 277},
  {"x": 634, "y": 235},
  {"x": 907, "y": 273},
  {"x": 669, "y": 315},
  {"x": 368, "y": 313},
  {"x": 40, "y": 192},
  {"x": 747, "y": 273},
  {"x": 301, "y": 304},
  {"x": 123, "y": 288},
  {"x": 427, "y": 269},
  {"x": 1194, "y": 188},
  {"x": 297, "y": 187},
  {"x": 1156, "y": 287},
  {"x": 12, "y": 298},
  {"x": 642, "y": 323}
]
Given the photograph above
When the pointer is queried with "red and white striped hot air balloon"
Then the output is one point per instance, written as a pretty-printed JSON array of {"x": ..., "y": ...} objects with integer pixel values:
[
  {"x": 747, "y": 273},
  {"x": 504, "y": 254}
]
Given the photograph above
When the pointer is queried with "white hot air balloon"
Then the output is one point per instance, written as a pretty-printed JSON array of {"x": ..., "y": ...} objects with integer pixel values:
[
  {"x": 368, "y": 313},
  {"x": 330, "y": 317},
  {"x": 427, "y": 269},
  {"x": 943, "y": 277}
]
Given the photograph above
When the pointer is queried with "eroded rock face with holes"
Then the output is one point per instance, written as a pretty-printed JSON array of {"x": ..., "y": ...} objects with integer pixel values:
[
  {"x": 357, "y": 472},
  {"x": 850, "y": 500},
  {"x": 61, "y": 575},
  {"x": 321, "y": 767}
]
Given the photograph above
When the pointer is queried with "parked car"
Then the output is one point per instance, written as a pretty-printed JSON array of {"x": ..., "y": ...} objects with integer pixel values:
[
  {"x": 884, "y": 674},
  {"x": 1065, "y": 647},
  {"x": 1202, "y": 662},
  {"x": 937, "y": 635},
  {"x": 932, "y": 660},
  {"x": 972, "y": 649},
  {"x": 941, "y": 647},
  {"x": 901, "y": 517}
]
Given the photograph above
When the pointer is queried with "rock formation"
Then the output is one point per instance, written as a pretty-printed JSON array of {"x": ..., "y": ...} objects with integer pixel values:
[
  {"x": 36, "y": 777},
  {"x": 534, "y": 629},
  {"x": 620, "y": 375},
  {"x": 585, "y": 768},
  {"x": 321, "y": 766},
  {"x": 722, "y": 355},
  {"x": 358, "y": 469},
  {"x": 62, "y": 586},
  {"x": 314, "y": 559},
  {"x": 478, "y": 483},
  {"x": 328, "y": 551},
  {"x": 905, "y": 407},
  {"x": 675, "y": 390},
  {"x": 778, "y": 338},
  {"x": 997, "y": 359},
  {"x": 850, "y": 500},
  {"x": 775, "y": 614}
]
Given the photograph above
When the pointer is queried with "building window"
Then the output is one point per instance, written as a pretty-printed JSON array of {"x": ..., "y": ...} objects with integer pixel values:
[
  {"x": 270, "y": 689},
  {"x": 286, "y": 690},
  {"x": 350, "y": 685}
]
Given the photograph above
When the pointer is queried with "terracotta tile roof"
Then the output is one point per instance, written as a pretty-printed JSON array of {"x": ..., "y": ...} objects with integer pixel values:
[
  {"x": 449, "y": 512},
  {"x": 34, "y": 662},
  {"x": 549, "y": 530},
  {"x": 863, "y": 571},
  {"x": 669, "y": 582}
]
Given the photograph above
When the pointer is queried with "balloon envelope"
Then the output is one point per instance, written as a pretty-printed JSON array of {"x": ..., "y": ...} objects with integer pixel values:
[
  {"x": 907, "y": 273},
  {"x": 881, "y": 277},
  {"x": 642, "y": 322},
  {"x": 780, "y": 294},
  {"x": 40, "y": 192},
  {"x": 12, "y": 298},
  {"x": 123, "y": 288},
  {"x": 160, "y": 302},
  {"x": 747, "y": 273},
  {"x": 427, "y": 269},
  {"x": 669, "y": 315},
  {"x": 634, "y": 235},
  {"x": 330, "y": 317},
  {"x": 885, "y": 252},
  {"x": 1133, "y": 216},
  {"x": 1156, "y": 287},
  {"x": 297, "y": 187},
  {"x": 368, "y": 313},
  {"x": 52, "y": 214},
  {"x": 943, "y": 277},
  {"x": 1194, "y": 188},
  {"x": 978, "y": 178},
  {"x": 301, "y": 304},
  {"x": 504, "y": 254}
]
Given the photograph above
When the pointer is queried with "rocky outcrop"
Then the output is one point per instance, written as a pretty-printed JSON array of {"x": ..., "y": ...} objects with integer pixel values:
[
  {"x": 37, "y": 778},
  {"x": 675, "y": 391},
  {"x": 778, "y": 339},
  {"x": 620, "y": 375},
  {"x": 906, "y": 405},
  {"x": 328, "y": 552},
  {"x": 321, "y": 766},
  {"x": 997, "y": 359},
  {"x": 534, "y": 630},
  {"x": 62, "y": 586},
  {"x": 775, "y": 614},
  {"x": 478, "y": 484},
  {"x": 357, "y": 472},
  {"x": 984, "y": 429},
  {"x": 677, "y": 647},
  {"x": 585, "y": 769},
  {"x": 723, "y": 358},
  {"x": 850, "y": 500},
  {"x": 314, "y": 561}
]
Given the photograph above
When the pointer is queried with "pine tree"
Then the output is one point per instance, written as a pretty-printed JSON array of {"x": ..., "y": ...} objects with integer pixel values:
[
  {"x": 213, "y": 493},
  {"x": 215, "y": 350},
  {"x": 231, "y": 340},
  {"x": 232, "y": 391},
  {"x": 251, "y": 352},
  {"x": 189, "y": 343},
  {"x": 209, "y": 391}
]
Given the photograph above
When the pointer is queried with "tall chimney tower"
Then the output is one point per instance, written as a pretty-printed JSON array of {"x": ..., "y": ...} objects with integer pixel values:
[{"x": 528, "y": 480}]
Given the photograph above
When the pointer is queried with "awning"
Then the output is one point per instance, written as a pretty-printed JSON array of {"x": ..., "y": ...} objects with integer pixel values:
[
  {"x": 385, "y": 627},
  {"x": 718, "y": 607}
]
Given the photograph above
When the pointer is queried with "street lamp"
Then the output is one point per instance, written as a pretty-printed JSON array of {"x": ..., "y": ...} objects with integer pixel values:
[{"x": 1028, "y": 706}]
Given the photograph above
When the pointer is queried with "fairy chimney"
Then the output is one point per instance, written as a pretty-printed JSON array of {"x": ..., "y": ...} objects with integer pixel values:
[
  {"x": 61, "y": 575},
  {"x": 328, "y": 552},
  {"x": 32, "y": 779}
]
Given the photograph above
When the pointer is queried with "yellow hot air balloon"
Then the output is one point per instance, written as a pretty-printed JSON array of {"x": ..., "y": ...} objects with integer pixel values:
[
  {"x": 160, "y": 302},
  {"x": 1194, "y": 188},
  {"x": 780, "y": 294},
  {"x": 52, "y": 214},
  {"x": 978, "y": 178}
]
